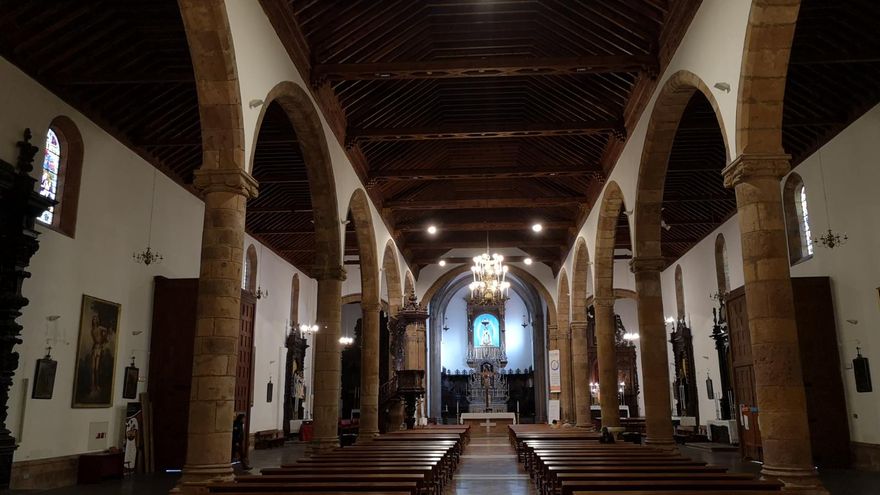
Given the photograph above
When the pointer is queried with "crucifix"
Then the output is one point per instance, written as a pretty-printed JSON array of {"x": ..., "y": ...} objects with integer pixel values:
[{"x": 488, "y": 424}]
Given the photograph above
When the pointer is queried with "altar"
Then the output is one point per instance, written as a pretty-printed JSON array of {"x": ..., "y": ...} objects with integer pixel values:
[{"x": 488, "y": 424}]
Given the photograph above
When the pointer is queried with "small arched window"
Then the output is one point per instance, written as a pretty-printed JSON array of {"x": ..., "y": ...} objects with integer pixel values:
[
  {"x": 722, "y": 272},
  {"x": 294, "y": 300},
  {"x": 679, "y": 293},
  {"x": 797, "y": 219},
  {"x": 60, "y": 175},
  {"x": 249, "y": 270}
]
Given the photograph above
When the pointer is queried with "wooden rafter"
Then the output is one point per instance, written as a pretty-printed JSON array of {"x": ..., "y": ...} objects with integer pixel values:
[
  {"x": 481, "y": 203},
  {"x": 519, "y": 172},
  {"x": 482, "y": 131}
]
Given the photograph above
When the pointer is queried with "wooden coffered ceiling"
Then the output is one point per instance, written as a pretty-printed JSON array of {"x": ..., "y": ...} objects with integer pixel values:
[
  {"x": 482, "y": 116},
  {"x": 474, "y": 115}
]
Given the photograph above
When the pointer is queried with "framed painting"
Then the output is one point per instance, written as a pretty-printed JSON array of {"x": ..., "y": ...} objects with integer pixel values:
[
  {"x": 96, "y": 353},
  {"x": 44, "y": 378}
]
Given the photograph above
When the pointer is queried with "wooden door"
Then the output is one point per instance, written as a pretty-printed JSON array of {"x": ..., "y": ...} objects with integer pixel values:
[
  {"x": 745, "y": 399},
  {"x": 171, "y": 360},
  {"x": 244, "y": 372}
]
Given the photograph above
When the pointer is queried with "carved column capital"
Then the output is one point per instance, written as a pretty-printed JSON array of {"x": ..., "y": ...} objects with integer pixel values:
[
  {"x": 753, "y": 165},
  {"x": 371, "y": 307},
  {"x": 229, "y": 180},
  {"x": 605, "y": 302},
  {"x": 331, "y": 272},
  {"x": 647, "y": 264}
]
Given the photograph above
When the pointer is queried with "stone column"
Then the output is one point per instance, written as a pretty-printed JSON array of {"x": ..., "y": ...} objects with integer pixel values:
[
  {"x": 369, "y": 422},
  {"x": 653, "y": 351},
  {"x": 218, "y": 313},
  {"x": 566, "y": 401},
  {"x": 581, "y": 373},
  {"x": 607, "y": 356},
  {"x": 328, "y": 358},
  {"x": 553, "y": 343},
  {"x": 785, "y": 434}
]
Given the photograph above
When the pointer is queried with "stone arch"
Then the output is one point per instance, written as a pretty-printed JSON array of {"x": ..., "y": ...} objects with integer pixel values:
[
  {"x": 391, "y": 269},
  {"x": 213, "y": 58},
  {"x": 579, "y": 277},
  {"x": 359, "y": 209},
  {"x": 722, "y": 270},
  {"x": 668, "y": 110},
  {"x": 519, "y": 272},
  {"x": 618, "y": 294},
  {"x": 249, "y": 280},
  {"x": 294, "y": 299},
  {"x": 319, "y": 167},
  {"x": 764, "y": 69},
  {"x": 563, "y": 306},
  {"x": 357, "y": 298},
  {"x": 679, "y": 294},
  {"x": 606, "y": 235}
]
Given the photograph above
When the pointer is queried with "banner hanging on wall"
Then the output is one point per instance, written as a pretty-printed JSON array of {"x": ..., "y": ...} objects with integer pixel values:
[{"x": 555, "y": 385}]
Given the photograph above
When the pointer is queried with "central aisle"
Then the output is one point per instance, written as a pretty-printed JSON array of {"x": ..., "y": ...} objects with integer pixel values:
[{"x": 489, "y": 467}]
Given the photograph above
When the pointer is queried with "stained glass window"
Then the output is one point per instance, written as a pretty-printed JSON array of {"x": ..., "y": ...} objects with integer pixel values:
[
  {"x": 805, "y": 221},
  {"x": 51, "y": 173}
]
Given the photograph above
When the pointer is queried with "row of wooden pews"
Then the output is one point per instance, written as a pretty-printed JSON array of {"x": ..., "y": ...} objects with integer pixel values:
[
  {"x": 573, "y": 462},
  {"x": 414, "y": 462}
]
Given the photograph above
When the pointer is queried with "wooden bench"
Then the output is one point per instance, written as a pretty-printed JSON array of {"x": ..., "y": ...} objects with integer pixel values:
[
  {"x": 267, "y": 439},
  {"x": 684, "y": 485},
  {"x": 337, "y": 486}
]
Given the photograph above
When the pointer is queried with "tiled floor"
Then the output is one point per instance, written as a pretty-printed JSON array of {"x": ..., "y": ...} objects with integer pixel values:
[{"x": 488, "y": 467}]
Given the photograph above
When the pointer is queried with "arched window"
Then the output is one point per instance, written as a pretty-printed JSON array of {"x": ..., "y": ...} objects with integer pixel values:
[
  {"x": 722, "y": 271},
  {"x": 249, "y": 270},
  {"x": 797, "y": 219},
  {"x": 294, "y": 300},
  {"x": 679, "y": 293},
  {"x": 60, "y": 175}
]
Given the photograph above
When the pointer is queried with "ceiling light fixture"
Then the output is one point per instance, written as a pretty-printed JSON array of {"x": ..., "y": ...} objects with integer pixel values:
[
  {"x": 432, "y": 229},
  {"x": 537, "y": 227},
  {"x": 442, "y": 262},
  {"x": 527, "y": 261}
]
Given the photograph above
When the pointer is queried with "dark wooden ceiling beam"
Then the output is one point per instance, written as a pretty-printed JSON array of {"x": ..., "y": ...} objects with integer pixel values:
[
  {"x": 483, "y": 67},
  {"x": 483, "y": 131},
  {"x": 277, "y": 209},
  {"x": 461, "y": 204},
  {"x": 483, "y": 226},
  {"x": 495, "y": 244},
  {"x": 517, "y": 172},
  {"x": 460, "y": 260}
]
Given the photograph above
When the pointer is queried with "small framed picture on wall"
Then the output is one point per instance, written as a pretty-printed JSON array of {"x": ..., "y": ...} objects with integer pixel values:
[{"x": 44, "y": 378}]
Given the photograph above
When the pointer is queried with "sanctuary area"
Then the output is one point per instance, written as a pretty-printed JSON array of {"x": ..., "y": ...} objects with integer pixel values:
[{"x": 439, "y": 247}]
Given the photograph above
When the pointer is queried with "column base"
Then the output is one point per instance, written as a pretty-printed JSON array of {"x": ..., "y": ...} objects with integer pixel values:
[
  {"x": 321, "y": 445},
  {"x": 802, "y": 481},
  {"x": 194, "y": 478},
  {"x": 662, "y": 443},
  {"x": 366, "y": 436},
  {"x": 587, "y": 426}
]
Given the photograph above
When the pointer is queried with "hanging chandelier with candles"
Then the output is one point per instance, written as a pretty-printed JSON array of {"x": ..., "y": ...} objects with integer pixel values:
[{"x": 490, "y": 285}]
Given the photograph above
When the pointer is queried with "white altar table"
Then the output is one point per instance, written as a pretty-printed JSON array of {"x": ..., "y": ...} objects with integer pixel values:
[{"x": 488, "y": 424}]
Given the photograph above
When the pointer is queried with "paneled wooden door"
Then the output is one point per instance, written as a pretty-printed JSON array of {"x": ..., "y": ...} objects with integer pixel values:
[
  {"x": 745, "y": 399},
  {"x": 244, "y": 372}
]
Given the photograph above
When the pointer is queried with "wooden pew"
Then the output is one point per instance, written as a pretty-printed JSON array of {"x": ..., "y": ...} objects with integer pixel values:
[
  {"x": 334, "y": 486},
  {"x": 683, "y": 485}
]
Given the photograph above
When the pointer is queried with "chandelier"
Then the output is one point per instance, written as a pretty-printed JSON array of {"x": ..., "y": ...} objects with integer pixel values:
[
  {"x": 831, "y": 239},
  {"x": 489, "y": 285},
  {"x": 346, "y": 340},
  {"x": 149, "y": 256},
  {"x": 307, "y": 330}
]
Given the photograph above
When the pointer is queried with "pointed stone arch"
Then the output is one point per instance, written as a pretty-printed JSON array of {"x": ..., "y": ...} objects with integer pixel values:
[
  {"x": 579, "y": 280},
  {"x": 671, "y": 102},
  {"x": 563, "y": 344},
  {"x": 409, "y": 285},
  {"x": 319, "y": 168},
  {"x": 391, "y": 269}
]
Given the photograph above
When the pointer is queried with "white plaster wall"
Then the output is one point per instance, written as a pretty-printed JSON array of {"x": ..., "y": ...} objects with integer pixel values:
[
  {"x": 700, "y": 281},
  {"x": 263, "y": 63},
  {"x": 271, "y": 322},
  {"x": 518, "y": 340},
  {"x": 113, "y": 214}
]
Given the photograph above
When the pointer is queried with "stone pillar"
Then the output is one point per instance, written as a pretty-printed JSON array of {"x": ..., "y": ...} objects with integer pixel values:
[
  {"x": 553, "y": 343},
  {"x": 581, "y": 373},
  {"x": 566, "y": 401},
  {"x": 653, "y": 351},
  {"x": 785, "y": 433},
  {"x": 607, "y": 356},
  {"x": 218, "y": 313},
  {"x": 328, "y": 359},
  {"x": 369, "y": 422}
]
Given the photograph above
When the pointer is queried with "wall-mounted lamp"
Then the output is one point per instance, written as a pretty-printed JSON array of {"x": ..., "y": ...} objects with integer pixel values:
[
  {"x": 255, "y": 103},
  {"x": 723, "y": 86}
]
